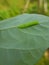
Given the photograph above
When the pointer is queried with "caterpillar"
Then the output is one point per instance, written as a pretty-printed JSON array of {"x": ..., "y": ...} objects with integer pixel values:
[{"x": 29, "y": 24}]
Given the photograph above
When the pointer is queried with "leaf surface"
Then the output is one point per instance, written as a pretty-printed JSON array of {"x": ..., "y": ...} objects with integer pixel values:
[{"x": 23, "y": 46}]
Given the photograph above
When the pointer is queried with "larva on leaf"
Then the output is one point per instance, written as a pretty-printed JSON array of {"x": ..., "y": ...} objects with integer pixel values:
[{"x": 29, "y": 24}]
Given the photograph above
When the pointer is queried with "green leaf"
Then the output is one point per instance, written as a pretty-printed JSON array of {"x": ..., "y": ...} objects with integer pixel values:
[{"x": 23, "y": 46}]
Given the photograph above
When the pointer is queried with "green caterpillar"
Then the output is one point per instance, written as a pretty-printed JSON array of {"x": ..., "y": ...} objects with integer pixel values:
[{"x": 28, "y": 24}]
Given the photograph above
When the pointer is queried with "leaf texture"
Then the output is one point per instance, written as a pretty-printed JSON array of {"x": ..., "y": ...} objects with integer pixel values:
[{"x": 23, "y": 46}]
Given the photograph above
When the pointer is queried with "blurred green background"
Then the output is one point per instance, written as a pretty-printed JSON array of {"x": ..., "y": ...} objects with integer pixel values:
[{"x": 11, "y": 8}]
